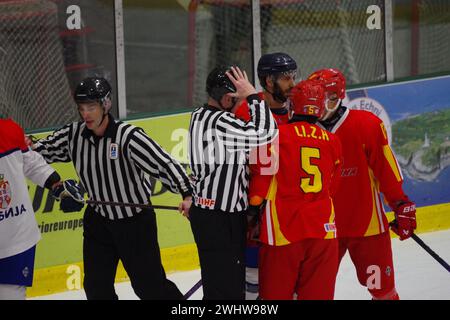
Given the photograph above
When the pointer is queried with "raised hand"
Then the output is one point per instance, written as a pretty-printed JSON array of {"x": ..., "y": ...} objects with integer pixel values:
[{"x": 240, "y": 80}]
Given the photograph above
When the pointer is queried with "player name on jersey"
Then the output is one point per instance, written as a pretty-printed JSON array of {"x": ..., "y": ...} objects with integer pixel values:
[
  {"x": 311, "y": 133},
  {"x": 12, "y": 212}
]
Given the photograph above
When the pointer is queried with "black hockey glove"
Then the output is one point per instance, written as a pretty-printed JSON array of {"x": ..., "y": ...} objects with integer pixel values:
[
  {"x": 253, "y": 221},
  {"x": 69, "y": 194}
]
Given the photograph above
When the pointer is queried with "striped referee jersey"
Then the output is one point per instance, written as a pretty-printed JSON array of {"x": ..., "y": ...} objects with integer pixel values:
[
  {"x": 117, "y": 166},
  {"x": 219, "y": 148}
]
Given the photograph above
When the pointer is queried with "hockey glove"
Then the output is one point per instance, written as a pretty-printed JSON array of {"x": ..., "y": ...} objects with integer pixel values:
[
  {"x": 253, "y": 221},
  {"x": 405, "y": 219},
  {"x": 69, "y": 193}
]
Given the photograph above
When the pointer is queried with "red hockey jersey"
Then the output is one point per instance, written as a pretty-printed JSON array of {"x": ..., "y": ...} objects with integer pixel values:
[
  {"x": 369, "y": 167},
  {"x": 306, "y": 160}
]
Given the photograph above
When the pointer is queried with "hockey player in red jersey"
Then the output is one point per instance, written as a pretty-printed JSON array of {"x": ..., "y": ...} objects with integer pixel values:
[
  {"x": 299, "y": 252},
  {"x": 370, "y": 168},
  {"x": 277, "y": 73}
]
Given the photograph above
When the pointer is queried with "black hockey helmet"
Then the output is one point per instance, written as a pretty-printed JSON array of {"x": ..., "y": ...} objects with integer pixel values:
[
  {"x": 274, "y": 64},
  {"x": 218, "y": 84},
  {"x": 93, "y": 89}
]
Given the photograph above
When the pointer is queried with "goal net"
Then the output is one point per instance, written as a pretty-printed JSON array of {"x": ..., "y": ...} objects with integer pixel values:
[{"x": 34, "y": 89}]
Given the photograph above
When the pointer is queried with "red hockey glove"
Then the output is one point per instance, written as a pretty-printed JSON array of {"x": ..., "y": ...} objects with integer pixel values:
[{"x": 405, "y": 219}]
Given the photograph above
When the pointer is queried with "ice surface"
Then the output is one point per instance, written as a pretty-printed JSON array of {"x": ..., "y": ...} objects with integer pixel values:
[{"x": 418, "y": 275}]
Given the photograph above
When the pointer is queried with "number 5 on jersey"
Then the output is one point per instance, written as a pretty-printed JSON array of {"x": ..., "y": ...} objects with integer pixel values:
[{"x": 312, "y": 184}]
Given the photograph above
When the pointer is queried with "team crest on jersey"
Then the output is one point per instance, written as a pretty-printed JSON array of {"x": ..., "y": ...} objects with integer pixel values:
[
  {"x": 5, "y": 193},
  {"x": 113, "y": 151}
]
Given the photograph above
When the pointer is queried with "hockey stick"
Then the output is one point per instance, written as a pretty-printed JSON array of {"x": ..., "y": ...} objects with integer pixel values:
[
  {"x": 133, "y": 205},
  {"x": 431, "y": 252},
  {"x": 191, "y": 291}
]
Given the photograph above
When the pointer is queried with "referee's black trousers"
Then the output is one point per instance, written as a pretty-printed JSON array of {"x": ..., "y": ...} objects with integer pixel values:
[
  {"x": 133, "y": 241},
  {"x": 221, "y": 241}
]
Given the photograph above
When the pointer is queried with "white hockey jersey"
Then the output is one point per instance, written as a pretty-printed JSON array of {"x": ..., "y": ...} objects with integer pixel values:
[{"x": 18, "y": 226}]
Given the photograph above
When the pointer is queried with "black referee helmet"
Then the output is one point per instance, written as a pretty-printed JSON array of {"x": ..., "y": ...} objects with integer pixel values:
[
  {"x": 218, "y": 84},
  {"x": 94, "y": 89}
]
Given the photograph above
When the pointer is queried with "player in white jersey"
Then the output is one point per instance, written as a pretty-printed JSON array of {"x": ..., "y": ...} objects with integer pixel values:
[{"x": 19, "y": 231}]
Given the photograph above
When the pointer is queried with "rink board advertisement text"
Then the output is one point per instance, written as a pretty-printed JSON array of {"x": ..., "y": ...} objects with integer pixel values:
[{"x": 417, "y": 119}]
